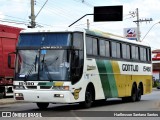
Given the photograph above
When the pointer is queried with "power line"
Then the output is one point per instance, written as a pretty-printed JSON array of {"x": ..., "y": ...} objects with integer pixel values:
[
  {"x": 85, "y": 3},
  {"x": 150, "y": 30},
  {"x": 8, "y": 21},
  {"x": 41, "y": 8},
  {"x": 57, "y": 10},
  {"x": 15, "y": 17}
]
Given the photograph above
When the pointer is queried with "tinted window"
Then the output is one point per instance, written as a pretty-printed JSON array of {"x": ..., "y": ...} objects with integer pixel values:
[
  {"x": 128, "y": 52},
  {"x": 124, "y": 51},
  {"x": 89, "y": 45},
  {"x": 107, "y": 48},
  {"x": 78, "y": 40},
  {"x": 137, "y": 53},
  {"x": 143, "y": 54},
  {"x": 102, "y": 47},
  {"x": 118, "y": 50},
  {"x": 133, "y": 49},
  {"x": 94, "y": 46},
  {"x": 148, "y": 54},
  {"x": 113, "y": 49},
  {"x": 44, "y": 39}
]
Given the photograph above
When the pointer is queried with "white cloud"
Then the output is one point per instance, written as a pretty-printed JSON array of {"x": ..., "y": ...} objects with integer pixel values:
[{"x": 1, "y": 16}]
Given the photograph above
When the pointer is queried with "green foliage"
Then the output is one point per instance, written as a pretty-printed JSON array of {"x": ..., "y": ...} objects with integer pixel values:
[{"x": 156, "y": 83}]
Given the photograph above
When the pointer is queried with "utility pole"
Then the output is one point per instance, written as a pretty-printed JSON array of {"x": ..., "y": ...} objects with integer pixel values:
[
  {"x": 32, "y": 17},
  {"x": 138, "y": 28},
  {"x": 138, "y": 21},
  {"x": 88, "y": 24}
]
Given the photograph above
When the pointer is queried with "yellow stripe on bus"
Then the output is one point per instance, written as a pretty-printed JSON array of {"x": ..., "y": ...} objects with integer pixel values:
[{"x": 58, "y": 83}]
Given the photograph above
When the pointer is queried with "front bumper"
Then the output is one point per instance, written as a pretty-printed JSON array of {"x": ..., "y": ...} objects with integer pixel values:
[{"x": 44, "y": 96}]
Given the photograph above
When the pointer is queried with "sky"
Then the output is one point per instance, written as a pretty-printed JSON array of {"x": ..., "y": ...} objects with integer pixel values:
[{"x": 62, "y": 13}]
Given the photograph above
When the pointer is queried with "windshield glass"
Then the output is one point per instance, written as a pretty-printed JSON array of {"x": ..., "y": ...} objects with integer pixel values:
[
  {"x": 42, "y": 65},
  {"x": 44, "y": 39}
]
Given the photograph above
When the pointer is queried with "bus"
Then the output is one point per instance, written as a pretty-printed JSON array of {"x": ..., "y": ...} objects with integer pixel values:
[{"x": 79, "y": 66}]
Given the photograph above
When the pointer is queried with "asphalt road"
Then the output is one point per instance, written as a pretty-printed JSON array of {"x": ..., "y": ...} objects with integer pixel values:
[{"x": 149, "y": 104}]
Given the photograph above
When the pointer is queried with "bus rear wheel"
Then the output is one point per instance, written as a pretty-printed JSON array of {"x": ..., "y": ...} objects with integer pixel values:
[
  {"x": 138, "y": 97},
  {"x": 133, "y": 93},
  {"x": 42, "y": 105}
]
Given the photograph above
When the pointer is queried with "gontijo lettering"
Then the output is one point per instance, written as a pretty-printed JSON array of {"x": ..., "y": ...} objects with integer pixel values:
[{"x": 129, "y": 67}]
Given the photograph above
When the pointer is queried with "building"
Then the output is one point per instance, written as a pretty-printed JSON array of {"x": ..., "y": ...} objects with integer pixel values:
[{"x": 156, "y": 64}]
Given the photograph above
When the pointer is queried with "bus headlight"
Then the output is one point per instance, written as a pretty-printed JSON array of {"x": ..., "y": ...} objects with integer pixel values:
[
  {"x": 18, "y": 87},
  {"x": 19, "y": 96},
  {"x": 60, "y": 88}
]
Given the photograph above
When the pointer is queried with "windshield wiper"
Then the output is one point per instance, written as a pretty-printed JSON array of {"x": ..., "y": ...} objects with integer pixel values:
[
  {"x": 48, "y": 75},
  {"x": 36, "y": 62},
  {"x": 46, "y": 67},
  {"x": 31, "y": 69}
]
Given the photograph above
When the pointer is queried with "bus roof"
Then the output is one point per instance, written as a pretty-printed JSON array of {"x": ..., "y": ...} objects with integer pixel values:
[
  {"x": 114, "y": 37},
  {"x": 89, "y": 32}
]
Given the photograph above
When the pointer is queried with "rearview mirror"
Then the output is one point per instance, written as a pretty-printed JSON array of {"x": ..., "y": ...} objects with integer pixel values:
[{"x": 11, "y": 58}]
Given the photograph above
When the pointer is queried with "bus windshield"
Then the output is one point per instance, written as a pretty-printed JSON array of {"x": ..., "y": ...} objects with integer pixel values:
[
  {"x": 42, "y": 65},
  {"x": 35, "y": 61}
]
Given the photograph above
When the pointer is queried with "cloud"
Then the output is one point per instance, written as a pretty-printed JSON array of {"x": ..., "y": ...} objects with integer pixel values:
[{"x": 2, "y": 16}]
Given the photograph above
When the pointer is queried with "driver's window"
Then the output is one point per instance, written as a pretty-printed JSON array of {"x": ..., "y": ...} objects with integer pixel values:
[{"x": 77, "y": 57}]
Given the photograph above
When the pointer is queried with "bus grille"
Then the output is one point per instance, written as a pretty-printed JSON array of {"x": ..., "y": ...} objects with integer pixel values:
[
  {"x": 45, "y": 87},
  {"x": 31, "y": 87}
]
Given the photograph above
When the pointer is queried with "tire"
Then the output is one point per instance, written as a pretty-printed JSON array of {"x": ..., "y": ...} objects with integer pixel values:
[
  {"x": 133, "y": 94},
  {"x": 88, "y": 98},
  {"x": 2, "y": 92},
  {"x": 139, "y": 93},
  {"x": 42, "y": 105},
  {"x": 1, "y": 95}
]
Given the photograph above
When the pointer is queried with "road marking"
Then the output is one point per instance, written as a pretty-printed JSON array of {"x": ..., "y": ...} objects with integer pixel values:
[{"x": 78, "y": 118}]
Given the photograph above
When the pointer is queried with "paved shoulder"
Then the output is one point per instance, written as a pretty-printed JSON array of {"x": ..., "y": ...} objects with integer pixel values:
[{"x": 7, "y": 101}]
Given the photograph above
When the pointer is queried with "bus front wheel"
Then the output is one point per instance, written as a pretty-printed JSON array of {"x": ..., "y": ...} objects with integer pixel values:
[
  {"x": 89, "y": 97},
  {"x": 42, "y": 105}
]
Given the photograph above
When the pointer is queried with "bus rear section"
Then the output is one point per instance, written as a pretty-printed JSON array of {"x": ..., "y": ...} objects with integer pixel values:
[{"x": 124, "y": 67}]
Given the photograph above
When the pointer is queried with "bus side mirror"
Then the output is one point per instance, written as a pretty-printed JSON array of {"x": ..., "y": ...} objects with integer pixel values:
[{"x": 11, "y": 57}]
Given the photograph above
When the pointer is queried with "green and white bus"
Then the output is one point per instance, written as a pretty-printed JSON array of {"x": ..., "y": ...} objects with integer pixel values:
[{"x": 79, "y": 66}]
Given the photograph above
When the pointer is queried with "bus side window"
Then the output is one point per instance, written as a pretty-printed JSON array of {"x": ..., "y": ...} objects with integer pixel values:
[
  {"x": 148, "y": 54},
  {"x": 124, "y": 51},
  {"x": 102, "y": 49},
  {"x": 95, "y": 50},
  {"x": 89, "y": 46},
  {"x": 114, "y": 50},
  {"x": 128, "y": 52},
  {"x": 107, "y": 46},
  {"x": 142, "y": 52}
]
